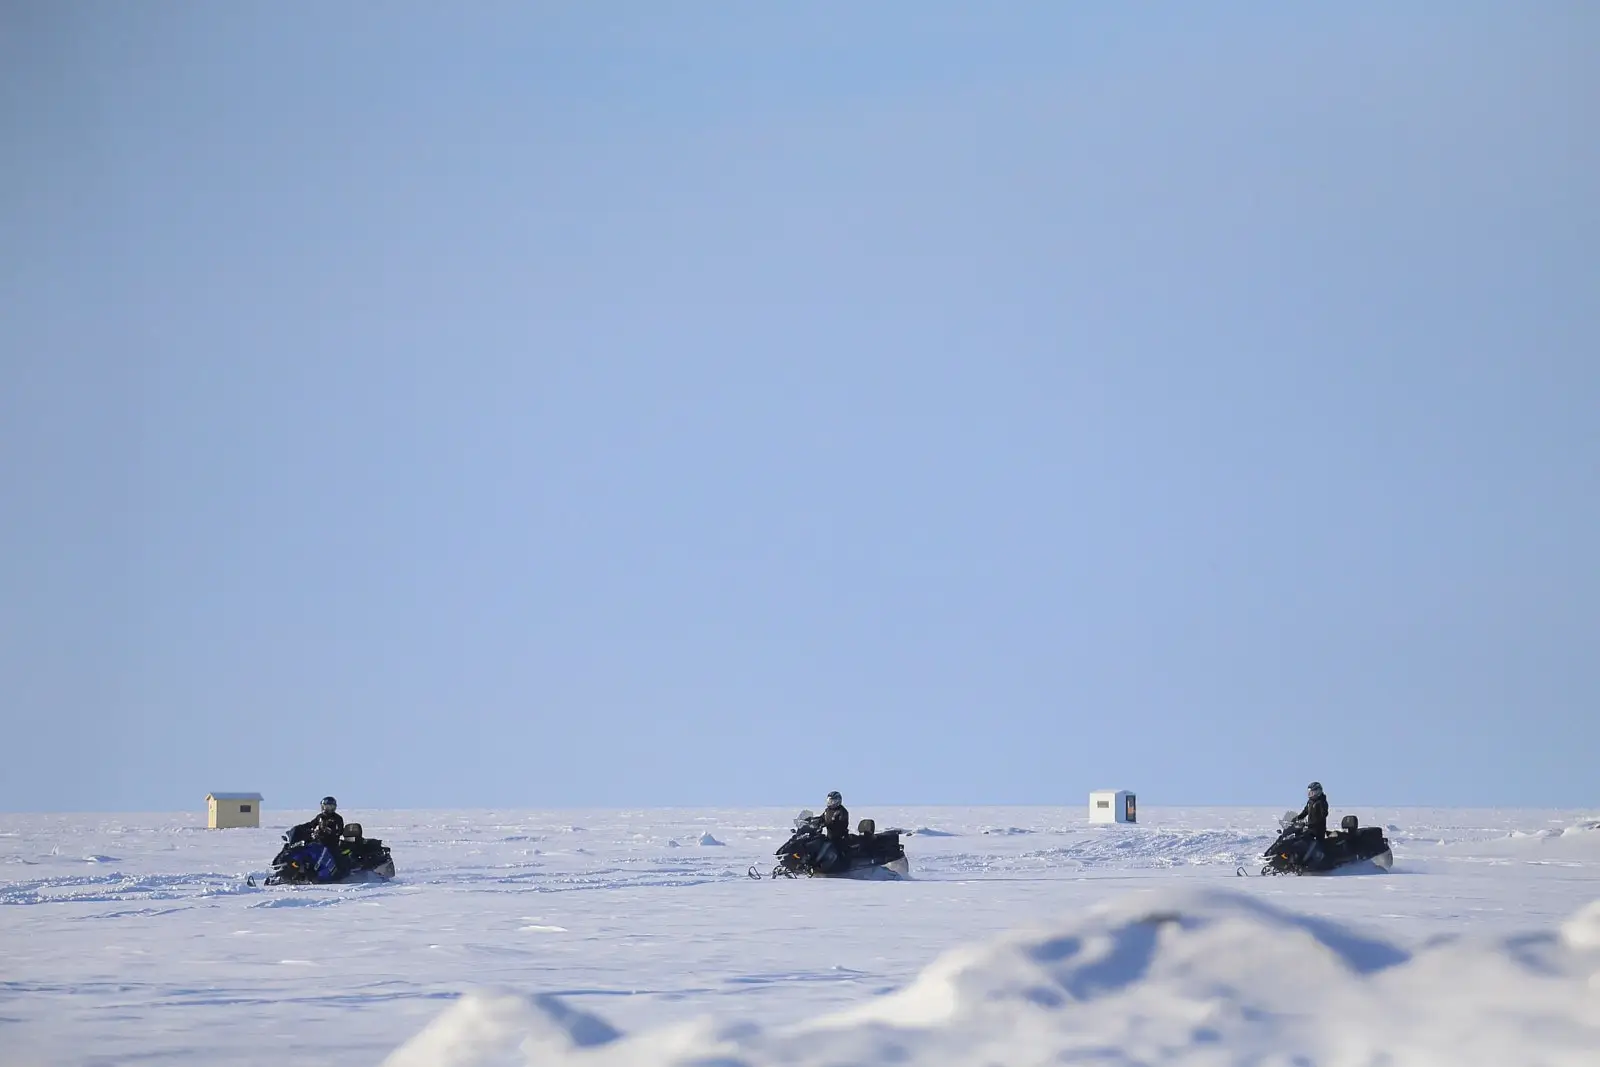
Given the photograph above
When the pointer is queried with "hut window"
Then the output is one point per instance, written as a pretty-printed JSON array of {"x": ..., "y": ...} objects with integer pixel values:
[
  {"x": 1102, "y": 803},
  {"x": 244, "y": 809}
]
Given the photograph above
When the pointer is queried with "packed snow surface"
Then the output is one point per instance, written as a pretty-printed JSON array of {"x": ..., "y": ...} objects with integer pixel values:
[{"x": 1025, "y": 936}]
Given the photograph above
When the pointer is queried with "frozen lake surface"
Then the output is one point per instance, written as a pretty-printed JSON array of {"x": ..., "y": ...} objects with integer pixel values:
[{"x": 134, "y": 938}]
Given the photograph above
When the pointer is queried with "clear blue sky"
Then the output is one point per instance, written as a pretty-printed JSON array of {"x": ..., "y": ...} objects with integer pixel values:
[{"x": 684, "y": 403}]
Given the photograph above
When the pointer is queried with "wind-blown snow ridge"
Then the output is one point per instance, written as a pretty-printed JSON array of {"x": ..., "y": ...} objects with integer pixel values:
[
  {"x": 1162, "y": 978},
  {"x": 116, "y": 887}
]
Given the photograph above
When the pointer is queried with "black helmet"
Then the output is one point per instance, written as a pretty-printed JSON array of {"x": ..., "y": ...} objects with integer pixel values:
[
  {"x": 834, "y": 799},
  {"x": 1314, "y": 789},
  {"x": 329, "y": 804}
]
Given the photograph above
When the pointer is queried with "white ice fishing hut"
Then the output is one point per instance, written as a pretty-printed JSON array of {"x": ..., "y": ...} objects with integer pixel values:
[
  {"x": 227, "y": 810},
  {"x": 1113, "y": 805}
]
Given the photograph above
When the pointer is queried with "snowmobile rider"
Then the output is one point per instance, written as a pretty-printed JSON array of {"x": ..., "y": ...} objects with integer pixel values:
[
  {"x": 1315, "y": 813},
  {"x": 836, "y": 819},
  {"x": 328, "y": 825}
]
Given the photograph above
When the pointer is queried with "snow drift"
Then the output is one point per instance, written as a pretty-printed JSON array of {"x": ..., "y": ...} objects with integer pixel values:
[{"x": 1162, "y": 978}]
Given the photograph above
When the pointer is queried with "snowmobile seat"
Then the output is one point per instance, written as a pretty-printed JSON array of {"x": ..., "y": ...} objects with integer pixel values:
[
  {"x": 867, "y": 828},
  {"x": 352, "y": 831}
]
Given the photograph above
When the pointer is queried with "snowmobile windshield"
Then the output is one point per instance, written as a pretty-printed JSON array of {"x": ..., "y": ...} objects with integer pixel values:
[
  {"x": 803, "y": 818},
  {"x": 1287, "y": 819}
]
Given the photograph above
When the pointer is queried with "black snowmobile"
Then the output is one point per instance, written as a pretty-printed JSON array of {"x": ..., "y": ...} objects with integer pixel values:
[
  {"x": 1297, "y": 852},
  {"x": 304, "y": 860},
  {"x": 866, "y": 854}
]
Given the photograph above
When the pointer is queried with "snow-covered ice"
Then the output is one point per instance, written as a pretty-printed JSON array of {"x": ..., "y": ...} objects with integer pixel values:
[{"x": 1024, "y": 936}]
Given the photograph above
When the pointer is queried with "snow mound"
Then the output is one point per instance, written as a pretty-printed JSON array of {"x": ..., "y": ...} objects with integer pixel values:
[
  {"x": 491, "y": 1030},
  {"x": 1582, "y": 931},
  {"x": 1579, "y": 841},
  {"x": 707, "y": 840},
  {"x": 926, "y": 831},
  {"x": 1169, "y": 978}
]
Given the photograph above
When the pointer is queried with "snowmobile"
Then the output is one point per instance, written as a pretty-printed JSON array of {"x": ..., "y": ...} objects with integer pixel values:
[
  {"x": 1297, "y": 852},
  {"x": 865, "y": 854},
  {"x": 306, "y": 861}
]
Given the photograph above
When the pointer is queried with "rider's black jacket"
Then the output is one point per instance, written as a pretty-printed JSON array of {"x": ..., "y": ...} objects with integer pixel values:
[
  {"x": 836, "y": 823},
  {"x": 326, "y": 828},
  {"x": 1315, "y": 815}
]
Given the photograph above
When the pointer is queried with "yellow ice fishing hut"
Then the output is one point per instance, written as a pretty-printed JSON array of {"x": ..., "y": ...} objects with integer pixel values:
[{"x": 226, "y": 810}]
